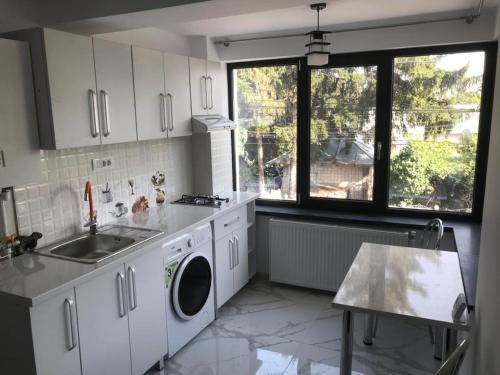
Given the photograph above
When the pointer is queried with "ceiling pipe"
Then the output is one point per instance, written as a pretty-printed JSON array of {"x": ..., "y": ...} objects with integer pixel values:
[{"x": 475, "y": 13}]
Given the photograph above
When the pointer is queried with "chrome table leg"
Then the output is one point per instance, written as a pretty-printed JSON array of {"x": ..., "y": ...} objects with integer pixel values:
[
  {"x": 438, "y": 343},
  {"x": 369, "y": 329},
  {"x": 347, "y": 340},
  {"x": 449, "y": 342}
]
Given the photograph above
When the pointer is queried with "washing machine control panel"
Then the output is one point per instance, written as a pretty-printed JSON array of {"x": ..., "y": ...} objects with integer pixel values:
[
  {"x": 178, "y": 246},
  {"x": 202, "y": 235}
]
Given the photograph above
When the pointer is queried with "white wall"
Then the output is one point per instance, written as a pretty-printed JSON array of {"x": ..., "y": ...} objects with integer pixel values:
[
  {"x": 450, "y": 32},
  {"x": 487, "y": 323},
  {"x": 152, "y": 38}
]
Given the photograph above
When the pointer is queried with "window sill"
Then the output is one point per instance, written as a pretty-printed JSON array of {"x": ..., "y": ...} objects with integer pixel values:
[{"x": 467, "y": 234}]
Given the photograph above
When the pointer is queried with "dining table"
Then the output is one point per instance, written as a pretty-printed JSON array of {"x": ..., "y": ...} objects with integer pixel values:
[{"x": 415, "y": 284}]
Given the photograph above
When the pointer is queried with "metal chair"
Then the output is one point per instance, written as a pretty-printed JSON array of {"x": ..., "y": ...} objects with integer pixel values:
[
  {"x": 426, "y": 240},
  {"x": 430, "y": 239},
  {"x": 454, "y": 361}
]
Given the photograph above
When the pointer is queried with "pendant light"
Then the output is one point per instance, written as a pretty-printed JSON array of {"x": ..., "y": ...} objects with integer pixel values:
[{"x": 318, "y": 47}]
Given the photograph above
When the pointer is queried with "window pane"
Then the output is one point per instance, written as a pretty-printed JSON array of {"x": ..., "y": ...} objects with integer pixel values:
[
  {"x": 435, "y": 121},
  {"x": 343, "y": 110},
  {"x": 265, "y": 108}
]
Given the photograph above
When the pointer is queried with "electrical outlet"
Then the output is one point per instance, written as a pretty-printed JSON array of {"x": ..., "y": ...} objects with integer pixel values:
[{"x": 104, "y": 163}]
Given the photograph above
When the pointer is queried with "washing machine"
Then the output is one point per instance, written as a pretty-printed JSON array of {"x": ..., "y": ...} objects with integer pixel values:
[{"x": 189, "y": 286}]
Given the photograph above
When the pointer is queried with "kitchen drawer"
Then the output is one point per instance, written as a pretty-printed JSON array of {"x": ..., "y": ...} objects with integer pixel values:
[{"x": 230, "y": 221}]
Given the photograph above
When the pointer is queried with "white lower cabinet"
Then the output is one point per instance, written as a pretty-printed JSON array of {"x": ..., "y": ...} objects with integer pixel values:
[
  {"x": 122, "y": 318},
  {"x": 55, "y": 335},
  {"x": 147, "y": 316},
  {"x": 103, "y": 324},
  {"x": 224, "y": 273},
  {"x": 114, "y": 324},
  {"x": 231, "y": 255},
  {"x": 240, "y": 270}
]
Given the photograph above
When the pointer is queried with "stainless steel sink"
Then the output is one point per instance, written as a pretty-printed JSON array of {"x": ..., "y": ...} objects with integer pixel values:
[{"x": 93, "y": 248}]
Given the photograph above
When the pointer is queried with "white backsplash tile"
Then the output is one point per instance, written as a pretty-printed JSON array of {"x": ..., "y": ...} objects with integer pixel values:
[{"x": 55, "y": 206}]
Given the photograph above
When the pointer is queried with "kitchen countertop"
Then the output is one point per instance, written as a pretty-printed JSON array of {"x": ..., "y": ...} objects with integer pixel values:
[
  {"x": 30, "y": 279},
  {"x": 467, "y": 234}
]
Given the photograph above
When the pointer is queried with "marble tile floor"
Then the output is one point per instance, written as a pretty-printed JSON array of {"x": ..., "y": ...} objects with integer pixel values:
[{"x": 276, "y": 329}]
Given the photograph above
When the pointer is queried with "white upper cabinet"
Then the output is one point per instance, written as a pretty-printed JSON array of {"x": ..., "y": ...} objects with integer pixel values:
[
  {"x": 208, "y": 83},
  {"x": 115, "y": 91},
  {"x": 177, "y": 95},
  {"x": 71, "y": 88},
  {"x": 19, "y": 145},
  {"x": 216, "y": 87},
  {"x": 198, "y": 84},
  {"x": 71, "y": 101},
  {"x": 149, "y": 87}
]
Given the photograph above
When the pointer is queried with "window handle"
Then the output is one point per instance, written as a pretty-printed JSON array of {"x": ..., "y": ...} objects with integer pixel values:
[{"x": 379, "y": 150}]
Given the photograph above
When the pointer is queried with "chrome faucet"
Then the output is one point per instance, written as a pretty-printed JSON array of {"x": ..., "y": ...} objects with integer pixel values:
[{"x": 92, "y": 221}]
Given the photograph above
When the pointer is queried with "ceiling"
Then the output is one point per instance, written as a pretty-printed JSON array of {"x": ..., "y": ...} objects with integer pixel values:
[{"x": 223, "y": 18}]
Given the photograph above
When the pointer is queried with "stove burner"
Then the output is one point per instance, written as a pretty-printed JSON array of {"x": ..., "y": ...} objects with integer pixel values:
[{"x": 202, "y": 200}]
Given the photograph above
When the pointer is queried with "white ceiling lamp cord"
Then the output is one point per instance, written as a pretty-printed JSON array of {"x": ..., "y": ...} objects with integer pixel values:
[{"x": 475, "y": 13}]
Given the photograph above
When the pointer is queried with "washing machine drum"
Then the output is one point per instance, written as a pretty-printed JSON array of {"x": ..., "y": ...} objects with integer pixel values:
[{"x": 192, "y": 284}]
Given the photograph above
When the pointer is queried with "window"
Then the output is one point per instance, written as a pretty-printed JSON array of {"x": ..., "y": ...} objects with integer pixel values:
[
  {"x": 399, "y": 131},
  {"x": 265, "y": 109},
  {"x": 342, "y": 132},
  {"x": 435, "y": 124}
]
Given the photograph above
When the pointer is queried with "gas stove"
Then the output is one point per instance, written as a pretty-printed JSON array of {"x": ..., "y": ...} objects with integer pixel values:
[{"x": 202, "y": 200}]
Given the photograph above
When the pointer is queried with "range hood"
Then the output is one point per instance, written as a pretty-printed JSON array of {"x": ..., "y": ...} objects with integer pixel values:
[{"x": 210, "y": 123}]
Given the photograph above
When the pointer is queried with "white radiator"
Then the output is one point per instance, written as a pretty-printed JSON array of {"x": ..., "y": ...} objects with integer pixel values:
[{"x": 319, "y": 255}]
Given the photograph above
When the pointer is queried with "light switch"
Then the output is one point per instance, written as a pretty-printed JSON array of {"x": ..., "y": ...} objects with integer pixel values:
[{"x": 103, "y": 163}]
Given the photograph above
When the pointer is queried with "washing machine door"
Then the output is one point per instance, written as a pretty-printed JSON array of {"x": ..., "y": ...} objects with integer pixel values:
[{"x": 192, "y": 284}]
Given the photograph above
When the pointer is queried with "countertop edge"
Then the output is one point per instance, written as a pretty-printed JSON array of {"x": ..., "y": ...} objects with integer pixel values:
[{"x": 6, "y": 297}]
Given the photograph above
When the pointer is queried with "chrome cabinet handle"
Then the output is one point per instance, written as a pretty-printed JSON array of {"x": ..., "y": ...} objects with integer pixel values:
[
  {"x": 132, "y": 294},
  {"x": 122, "y": 309},
  {"x": 231, "y": 222},
  {"x": 105, "y": 113},
  {"x": 237, "y": 241},
  {"x": 204, "y": 93},
  {"x": 94, "y": 115},
  {"x": 163, "y": 106},
  {"x": 170, "y": 99},
  {"x": 2, "y": 159},
  {"x": 211, "y": 94},
  {"x": 69, "y": 306},
  {"x": 234, "y": 252},
  {"x": 230, "y": 248}
]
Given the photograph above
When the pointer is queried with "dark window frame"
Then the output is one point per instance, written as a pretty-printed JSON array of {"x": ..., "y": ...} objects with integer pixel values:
[{"x": 384, "y": 62}]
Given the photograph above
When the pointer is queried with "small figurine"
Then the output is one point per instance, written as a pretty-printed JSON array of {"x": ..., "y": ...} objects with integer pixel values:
[{"x": 140, "y": 205}]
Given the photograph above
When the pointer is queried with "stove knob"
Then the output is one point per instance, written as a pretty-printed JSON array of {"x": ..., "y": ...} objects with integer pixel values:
[{"x": 190, "y": 242}]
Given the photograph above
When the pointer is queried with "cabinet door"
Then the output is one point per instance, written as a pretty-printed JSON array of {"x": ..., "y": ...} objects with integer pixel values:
[
  {"x": 216, "y": 88},
  {"x": 178, "y": 95},
  {"x": 241, "y": 251},
  {"x": 198, "y": 80},
  {"x": 103, "y": 324},
  {"x": 149, "y": 88},
  {"x": 19, "y": 149},
  {"x": 113, "y": 65},
  {"x": 71, "y": 74},
  {"x": 55, "y": 335},
  {"x": 147, "y": 316},
  {"x": 223, "y": 267}
]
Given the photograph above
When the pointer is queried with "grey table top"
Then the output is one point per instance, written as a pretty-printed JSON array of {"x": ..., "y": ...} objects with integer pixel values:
[{"x": 410, "y": 283}]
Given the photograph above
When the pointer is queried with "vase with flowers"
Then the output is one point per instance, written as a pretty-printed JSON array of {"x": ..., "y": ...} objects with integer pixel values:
[{"x": 158, "y": 181}]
